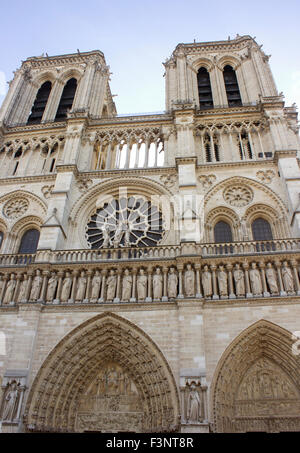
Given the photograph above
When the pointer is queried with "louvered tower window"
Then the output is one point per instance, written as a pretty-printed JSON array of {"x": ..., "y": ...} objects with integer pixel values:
[
  {"x": 222, "y": 232},
  {"x": 231, "y": 87},
  {"x": 66, "y": 100},
  {"x": 204, "y": 90},
  {"x": 29, "y": 241},
  {"x": 39, "y": 105}
]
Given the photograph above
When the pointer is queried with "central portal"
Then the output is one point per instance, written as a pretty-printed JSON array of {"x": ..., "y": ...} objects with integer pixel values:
[{"x": 111, "y": 403}]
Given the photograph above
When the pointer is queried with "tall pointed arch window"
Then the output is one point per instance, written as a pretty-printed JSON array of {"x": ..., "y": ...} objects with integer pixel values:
[
  {"x": 222, "y": 232},
  {"x": 261, "y": 230},
  {"x": 29, "y": 241},
  {"x": 40, "y": 103},
  {"x": 204, "y": 90},
  {"x": 231, "y": 87},
  {"x": 66, "y": 100}
]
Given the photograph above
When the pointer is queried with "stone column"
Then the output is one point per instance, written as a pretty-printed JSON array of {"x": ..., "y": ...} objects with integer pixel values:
[
  {"x": 214, "y": 281},
  {"x": 44, "y": 287},
  {"x": 180, "y": 292},
  {"x": 133, "y": 298},
  {"x": 263, "y": 279},
  {"x": 60, "y": 275},
  {"x": 30, "y": 274},
  {"x": 296, "y": 277},
  {"x": 88, "y": 287},
  {"x": 247, "y": 282},
  {"x": 149, "y": 297},
  {"x": 281, "y": 289},
  {"x": 5, "y": 278},
  {"x": 230, "y": 282},
  {"x": 102, "y": 294},
  {"x": 165, "y": 283},
  {"x": 73, "y": 293},
  {"x": 198, "y": 284},
  {"x": 117, "y": 298},
  {"x": 18, "y": 278}
]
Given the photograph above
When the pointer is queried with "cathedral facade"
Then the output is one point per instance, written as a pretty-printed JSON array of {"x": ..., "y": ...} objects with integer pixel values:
[{"x": 149, "y": 264}]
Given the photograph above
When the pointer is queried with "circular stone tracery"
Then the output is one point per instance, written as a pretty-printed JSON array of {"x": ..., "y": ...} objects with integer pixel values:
[
  {"x": 125, "y": 222},
  {"x": 15, "y": 208},
  {"x": 238, "y": 196}
]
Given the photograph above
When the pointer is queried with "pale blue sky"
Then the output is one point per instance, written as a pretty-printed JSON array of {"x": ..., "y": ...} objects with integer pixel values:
[{"x": 137, "y": 36}]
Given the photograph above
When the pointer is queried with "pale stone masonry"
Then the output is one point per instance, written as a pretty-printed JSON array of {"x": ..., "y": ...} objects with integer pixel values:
[{"x": 149, "y": 266}]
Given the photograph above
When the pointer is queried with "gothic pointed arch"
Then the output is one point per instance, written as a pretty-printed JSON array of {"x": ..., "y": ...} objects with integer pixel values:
[
  {"x": 106, "y": 374},
  {"x": 256, "y": 385}
]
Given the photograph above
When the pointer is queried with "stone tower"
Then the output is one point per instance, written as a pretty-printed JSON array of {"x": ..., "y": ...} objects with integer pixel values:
[{"x": 149, "y": 266}]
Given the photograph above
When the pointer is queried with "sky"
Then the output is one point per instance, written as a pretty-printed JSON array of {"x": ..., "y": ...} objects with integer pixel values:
[{"x": 137, "y": 36}]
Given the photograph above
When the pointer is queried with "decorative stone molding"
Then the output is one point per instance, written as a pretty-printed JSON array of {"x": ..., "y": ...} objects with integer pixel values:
[
  {"x": 15, "y": 208},
  {"x": 265, "y": 176},
  {"x": 238, "y": 196},
  {"x": 47, "y": 191},
  {"x": 168, "y": 180},
  {"x": 207, "y": 180},
  {"x": 84, "y": 184}
]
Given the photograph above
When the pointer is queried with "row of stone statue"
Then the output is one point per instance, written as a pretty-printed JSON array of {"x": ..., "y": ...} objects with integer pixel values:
[{"x": 152, "y": 284}]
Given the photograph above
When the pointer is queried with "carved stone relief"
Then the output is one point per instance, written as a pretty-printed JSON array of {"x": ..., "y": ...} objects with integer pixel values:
[
  {"x": 238, "y": 196},
  {"x": 207, "y": 181},
  {"x": 15, "y": 208},
  {"x": 168, "y": 180},
  {"x": 111, "y": 402},
  {"x": 265, "y": 176},
  {"x": 47, "y": 191}
]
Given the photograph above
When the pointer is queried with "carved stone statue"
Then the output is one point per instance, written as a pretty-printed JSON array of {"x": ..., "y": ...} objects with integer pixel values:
[
  {"x": 118, "y": 235},
  {"x": 239, "y": 280},
  {"x": 96, "y": 283},
  {"x": 189, "y": 281},
  {"x": 141, "y": 284},
  {"x": 66, "y": 288},
  {"x": 10, "y": 402},
  {"x": 255, "y": 280},
  {"x": 127, "y": 234},
  {"x": 52, "y": 284},
  {"x": 271, "y": 279},
  {"x": 23, "y": 289},
  {"x": 157, "y": 282},
  {"x": 81, "y": 287},
  {"x": 126, "y": 285},
  {"x": 106, "y": 236},
  {"x": 111, "y": 284},
  {"x": 206, "y": 282},
  {"x": 172, "y": 283},
  {"x": 36, "y": 286},
  {"x": 193, "y": 406},
  {"x": 10, "y": 289},
  {"x": 287, "y": 278},
  {"x": 222, "y": 281}
]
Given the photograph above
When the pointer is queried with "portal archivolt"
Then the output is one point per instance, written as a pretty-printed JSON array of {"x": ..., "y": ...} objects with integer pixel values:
[
  {"x": 106, "y": 375},
  {"x": 257, "y": 382}
]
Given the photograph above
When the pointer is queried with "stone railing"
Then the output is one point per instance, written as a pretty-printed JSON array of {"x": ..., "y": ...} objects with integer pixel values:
[
  {"x": 165, "y": 280},
  {"x": 153, "y": 253}
]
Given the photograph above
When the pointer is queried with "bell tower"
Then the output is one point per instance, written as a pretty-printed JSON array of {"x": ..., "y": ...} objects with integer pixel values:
[{"x": 48, "y": 89}]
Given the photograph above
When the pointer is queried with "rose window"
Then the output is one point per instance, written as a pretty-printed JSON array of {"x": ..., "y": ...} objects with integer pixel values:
[
  {"x": 125, "y": 222},
  {"x": 238, "y": 196},
  {"x": 15, "y": 208}
]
